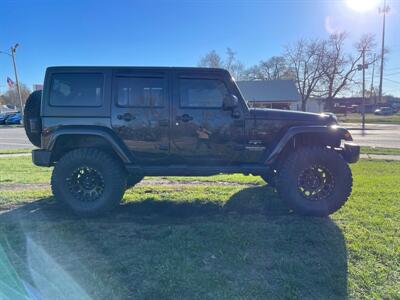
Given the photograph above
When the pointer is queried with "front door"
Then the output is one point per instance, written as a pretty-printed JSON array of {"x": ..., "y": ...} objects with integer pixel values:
[
  {"x": 201, "y": 131},
  {"x": 141, "y": 114}
]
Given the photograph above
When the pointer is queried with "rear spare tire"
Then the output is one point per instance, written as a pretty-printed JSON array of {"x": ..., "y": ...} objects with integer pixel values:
[
  {"x": 88, "y": 181},
  {"x": 315, "y": 181},
  {"x": 32, "y": 120}
]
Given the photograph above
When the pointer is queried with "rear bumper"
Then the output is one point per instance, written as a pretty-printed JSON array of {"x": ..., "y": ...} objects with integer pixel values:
[
  {"x": 351, "y": 152},
  {"x": 41, "y": 158}
]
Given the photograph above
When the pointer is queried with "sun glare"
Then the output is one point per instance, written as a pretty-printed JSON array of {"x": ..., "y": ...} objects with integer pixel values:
[{"x": 362, "y": 5}]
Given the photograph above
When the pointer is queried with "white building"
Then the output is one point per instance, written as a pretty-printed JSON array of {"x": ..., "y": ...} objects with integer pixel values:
[
  {"x": 315, "y": 105},
  {"x": 279, "y": 94}
]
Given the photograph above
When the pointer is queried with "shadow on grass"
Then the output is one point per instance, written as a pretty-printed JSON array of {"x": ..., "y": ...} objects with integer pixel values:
[{"x": 249, "y": 248}]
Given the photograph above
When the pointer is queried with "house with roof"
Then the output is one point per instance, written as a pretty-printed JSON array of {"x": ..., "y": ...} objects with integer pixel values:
[{"x": 278, "y": 94}]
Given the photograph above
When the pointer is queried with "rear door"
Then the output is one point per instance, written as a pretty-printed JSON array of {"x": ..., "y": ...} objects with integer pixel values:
[{"x": 141, "y": 113}]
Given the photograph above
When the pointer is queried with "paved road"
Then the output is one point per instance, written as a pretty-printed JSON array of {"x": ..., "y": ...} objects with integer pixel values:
[
  {"x": 13, "y": 138},
  {"x": 375, "y": 135}
]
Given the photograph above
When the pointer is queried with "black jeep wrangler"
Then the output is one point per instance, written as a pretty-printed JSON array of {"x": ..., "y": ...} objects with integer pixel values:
[{"x": 105, "y": 128}]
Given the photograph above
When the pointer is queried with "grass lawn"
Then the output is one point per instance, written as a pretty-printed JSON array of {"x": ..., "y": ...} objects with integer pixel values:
[
  {"x": 379, "y": 150},
  {"x": 21, "y": 170},
  {"x": 369, "y": 118},
  {"x": 220, "y": 237},
  {"x": 15, "y": 151}
]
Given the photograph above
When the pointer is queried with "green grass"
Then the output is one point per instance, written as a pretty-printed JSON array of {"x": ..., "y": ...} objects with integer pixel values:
[
  {"x": 199, "y": 241},
  {"x": 15, "y": 151},
  {"x": 369, "y": 118},
  {"x": 379, "y": 150},
  {"x": 21, "y": 170}
]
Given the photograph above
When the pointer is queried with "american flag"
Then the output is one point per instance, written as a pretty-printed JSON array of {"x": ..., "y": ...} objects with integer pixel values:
[{"x": 10, "y": 82}]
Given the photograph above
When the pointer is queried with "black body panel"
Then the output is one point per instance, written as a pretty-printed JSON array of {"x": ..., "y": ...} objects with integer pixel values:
[
  {"x": 147, "y": 118},
  {"x": 41, "y": 158}
]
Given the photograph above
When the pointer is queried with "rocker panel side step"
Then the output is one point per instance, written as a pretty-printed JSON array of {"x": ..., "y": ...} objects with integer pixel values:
[{"x": 190, "y": 170}]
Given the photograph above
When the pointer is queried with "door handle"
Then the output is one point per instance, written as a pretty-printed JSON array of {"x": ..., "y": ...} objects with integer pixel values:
[
  {"x": 163, "y": 123},
  {"x": 126, "y": 117},
  {"x": 184, "y": 118}
]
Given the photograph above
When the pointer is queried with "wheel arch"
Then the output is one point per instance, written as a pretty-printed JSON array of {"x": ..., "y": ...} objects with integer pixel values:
[
  {"x": 307, "y": 136},
  {"x": 66, "y": 139}
]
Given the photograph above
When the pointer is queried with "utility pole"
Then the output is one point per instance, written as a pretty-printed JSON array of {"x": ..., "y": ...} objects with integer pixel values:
[
  {"x": 372, "y": 81},
  {"x": 13, "y": 51},
  {"x": 362, "y": 67},
  {"x": 385, "y": 10},
  {"x": 363, "y": 91}
]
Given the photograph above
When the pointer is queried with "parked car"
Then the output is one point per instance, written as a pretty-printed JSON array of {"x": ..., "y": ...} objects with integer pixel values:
[
  {"x": 13, "y": 119},
  {"x": 3, "y": 117},
  {"x": 105, "y": 128},
  {"x": 384, "y": 111}
]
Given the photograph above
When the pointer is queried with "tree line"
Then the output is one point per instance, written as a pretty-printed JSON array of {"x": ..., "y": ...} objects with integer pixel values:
[
  {"x": 321, "y": 68},
  {"x": 11, "y": 96}
]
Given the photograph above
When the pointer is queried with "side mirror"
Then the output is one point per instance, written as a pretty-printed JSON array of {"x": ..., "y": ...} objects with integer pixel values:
[{"x": 230, "y": 102}]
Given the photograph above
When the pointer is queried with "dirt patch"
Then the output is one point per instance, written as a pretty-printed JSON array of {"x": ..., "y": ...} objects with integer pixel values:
[
  {"x": 23, "y": 186},
  {"x": 163, "y": 181},
  {"x": 151, "y": 181}
]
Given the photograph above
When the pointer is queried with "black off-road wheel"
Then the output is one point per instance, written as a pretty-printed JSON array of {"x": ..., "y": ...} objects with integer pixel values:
[
  {"x": 133, "y": 179},
  {"x": 88, "y": 181},
  {"x": 315, "y": 181},
  {"x": 32, "y": 120}
]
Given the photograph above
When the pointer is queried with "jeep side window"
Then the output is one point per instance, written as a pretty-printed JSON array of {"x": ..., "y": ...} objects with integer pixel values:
[
  {"x": 202, "y": 93},
  {"x": 140, "y": 92},
  {"x": 76, "y": 89}
]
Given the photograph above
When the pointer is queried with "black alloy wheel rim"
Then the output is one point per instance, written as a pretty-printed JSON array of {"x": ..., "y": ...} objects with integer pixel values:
[
  {"x": 86, "y": 184},
  {"x": 315, "y": 183}
]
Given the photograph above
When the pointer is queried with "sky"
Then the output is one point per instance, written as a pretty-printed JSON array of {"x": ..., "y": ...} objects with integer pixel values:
[{"x": 178, "y": 33}]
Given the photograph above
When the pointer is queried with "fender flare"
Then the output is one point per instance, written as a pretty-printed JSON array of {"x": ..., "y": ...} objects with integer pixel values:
[
  {"x": 105, "y": 133},
  {"x": 334, "y": 131}
]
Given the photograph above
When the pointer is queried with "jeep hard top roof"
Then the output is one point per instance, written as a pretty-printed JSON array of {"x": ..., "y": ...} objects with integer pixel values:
[{"x": 138, "y": 68}]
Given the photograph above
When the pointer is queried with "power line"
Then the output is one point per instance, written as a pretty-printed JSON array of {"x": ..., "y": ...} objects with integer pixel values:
[
  {"x": 391, "y": 74},
  {"x": 393, "y": 69},
  {"x": 391, "y": 80}
]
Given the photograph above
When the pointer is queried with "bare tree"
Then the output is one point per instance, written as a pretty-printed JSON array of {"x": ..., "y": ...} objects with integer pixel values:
[
  {"x": 305, "y": 59},
  {"x": 231, "y": 63},
  {"x": 339, "y": 68},
  {"x": 274, "y": 68},
  {"x": 211, "y": 60},
  {"x": 11, "y": 96}
]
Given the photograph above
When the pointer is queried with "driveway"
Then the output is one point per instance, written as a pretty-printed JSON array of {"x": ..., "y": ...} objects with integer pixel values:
[{"x": 375, "y": 135}]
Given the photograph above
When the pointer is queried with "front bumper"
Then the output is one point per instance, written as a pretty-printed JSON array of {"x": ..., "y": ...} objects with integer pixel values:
[
  {"x": 351, "y": 152},
  {"x": 41, "y": 158}
]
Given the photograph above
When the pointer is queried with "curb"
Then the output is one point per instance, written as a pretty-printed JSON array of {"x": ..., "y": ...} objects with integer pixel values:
[
  {"x": 380, "y": 156},
  {"x": 14, "y": 155}
]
